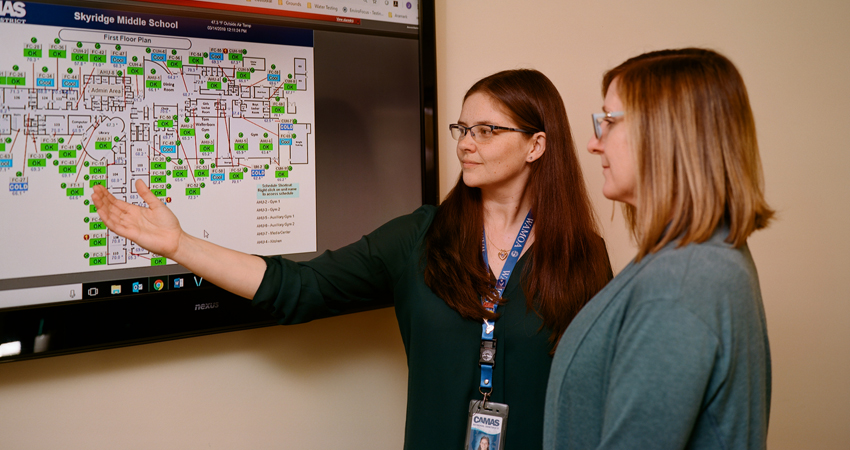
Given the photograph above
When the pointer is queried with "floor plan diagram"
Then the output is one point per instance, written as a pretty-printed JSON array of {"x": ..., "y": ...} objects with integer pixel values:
[{"x": 221, "y": 131}]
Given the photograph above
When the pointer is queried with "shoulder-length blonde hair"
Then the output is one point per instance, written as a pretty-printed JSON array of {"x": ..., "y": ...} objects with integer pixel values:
[{"x": 693, "y": 137}]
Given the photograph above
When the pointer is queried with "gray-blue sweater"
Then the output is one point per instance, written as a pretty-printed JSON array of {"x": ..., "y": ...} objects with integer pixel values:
[{"x": 672, "y": 354}]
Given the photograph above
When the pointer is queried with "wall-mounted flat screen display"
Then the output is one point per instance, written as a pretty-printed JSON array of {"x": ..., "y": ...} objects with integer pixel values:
[{"x": 282, "y": 127}]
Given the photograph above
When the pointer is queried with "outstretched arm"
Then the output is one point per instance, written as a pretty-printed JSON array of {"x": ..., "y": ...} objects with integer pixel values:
[{"x": 157, "y": 229}]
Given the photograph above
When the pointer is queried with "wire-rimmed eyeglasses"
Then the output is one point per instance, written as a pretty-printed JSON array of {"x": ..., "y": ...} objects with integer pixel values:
[
  {"x": 598, "y": 118},
  {"x": 481, "y": 133}
]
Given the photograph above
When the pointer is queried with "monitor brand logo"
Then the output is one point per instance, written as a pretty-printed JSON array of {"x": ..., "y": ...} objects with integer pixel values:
[
  {"x": 13, "y": 9},
  {"x": 201, "y": 306}
]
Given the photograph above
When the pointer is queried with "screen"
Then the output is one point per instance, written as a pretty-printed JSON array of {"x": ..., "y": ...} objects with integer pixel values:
[{"x": 286, "y": 128}]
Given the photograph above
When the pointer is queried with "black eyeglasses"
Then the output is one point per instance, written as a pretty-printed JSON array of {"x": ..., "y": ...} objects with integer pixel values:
[
  {"x": 598, "y": 118},
  {"x": 480, "y": 133}
]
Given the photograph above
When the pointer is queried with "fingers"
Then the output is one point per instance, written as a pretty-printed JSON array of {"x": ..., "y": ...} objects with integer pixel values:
[
  {"x": 108, "y": 207},
  {"x": 103, "y": 202},
  {"x": 119, "y": 216},
  {"x": 154, "y": 228},
  {"x": 146, "y": 194},
  {"x": 98, "y": 196}
]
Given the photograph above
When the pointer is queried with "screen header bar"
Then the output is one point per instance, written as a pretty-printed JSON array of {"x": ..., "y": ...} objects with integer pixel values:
[{"x": 74, "y": 17}]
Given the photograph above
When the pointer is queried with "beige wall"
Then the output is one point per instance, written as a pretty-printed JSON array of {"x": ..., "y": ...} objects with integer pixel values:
[{"x": 342, "y": 382}]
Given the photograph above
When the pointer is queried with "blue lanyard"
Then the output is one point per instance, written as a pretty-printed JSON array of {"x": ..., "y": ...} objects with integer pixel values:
[{"x": 487, "y": 328}]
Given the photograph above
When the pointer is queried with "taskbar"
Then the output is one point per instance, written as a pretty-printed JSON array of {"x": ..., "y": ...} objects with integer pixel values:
[{"x": 142, "y": 285}]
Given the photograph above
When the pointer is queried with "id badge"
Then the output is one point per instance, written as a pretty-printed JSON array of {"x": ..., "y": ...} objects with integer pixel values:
[{"x": 487, "y": 425}]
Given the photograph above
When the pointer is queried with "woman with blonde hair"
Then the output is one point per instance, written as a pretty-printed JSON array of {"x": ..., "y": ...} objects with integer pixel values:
[{"x": 673, "y": 353}]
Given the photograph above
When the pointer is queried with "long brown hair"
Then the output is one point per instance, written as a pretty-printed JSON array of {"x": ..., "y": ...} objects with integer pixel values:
[
  {"x": 693, "y": 135},
  {"x": 569, "y": 262}
]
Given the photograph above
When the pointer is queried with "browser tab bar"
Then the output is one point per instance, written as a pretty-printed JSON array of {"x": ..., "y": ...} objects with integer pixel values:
[{"x": 341, "y": 11}]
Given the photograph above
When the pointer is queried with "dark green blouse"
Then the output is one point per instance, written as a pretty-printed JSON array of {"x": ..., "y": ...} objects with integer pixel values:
[{"x": 386, "y": 267}]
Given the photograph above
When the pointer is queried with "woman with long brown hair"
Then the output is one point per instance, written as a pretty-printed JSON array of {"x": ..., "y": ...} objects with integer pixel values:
[
  {"x": 673, "y": 353},
  {"x": 475, "y": 336}
]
